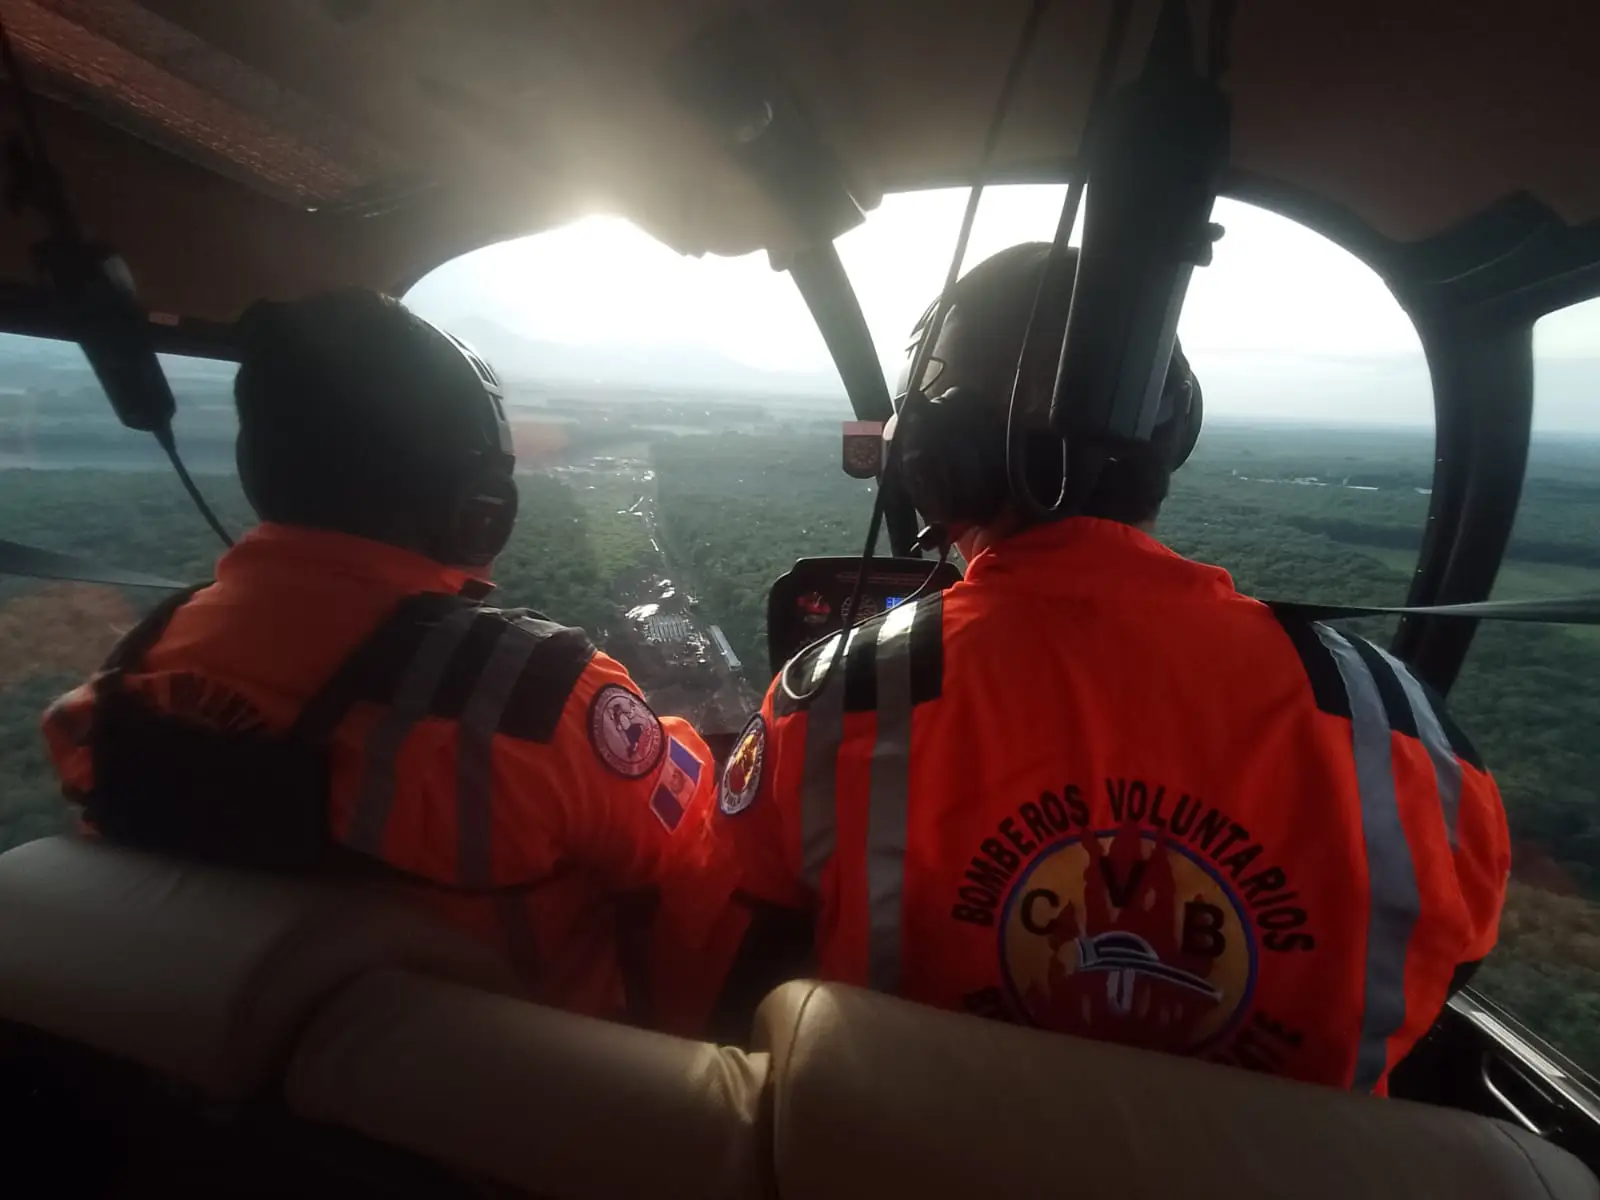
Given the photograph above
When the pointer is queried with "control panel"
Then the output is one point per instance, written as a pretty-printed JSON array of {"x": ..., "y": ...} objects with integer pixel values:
[{"x": 813, "y": 599}]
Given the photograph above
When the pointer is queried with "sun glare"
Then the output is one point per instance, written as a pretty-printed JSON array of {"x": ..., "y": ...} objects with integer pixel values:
[{"x": 1283, "y": 323}]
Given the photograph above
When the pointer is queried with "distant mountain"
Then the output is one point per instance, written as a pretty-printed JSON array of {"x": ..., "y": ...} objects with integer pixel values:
[{"x": 533, "y": 360}]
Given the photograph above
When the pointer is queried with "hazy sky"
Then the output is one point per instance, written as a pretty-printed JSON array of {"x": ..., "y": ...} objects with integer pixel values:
[{"x": 1283, "y": 324}]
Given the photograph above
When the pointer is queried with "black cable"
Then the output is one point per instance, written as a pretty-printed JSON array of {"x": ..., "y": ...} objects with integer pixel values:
[
  {"x": 927, "y": 583},
  {"x": 166, "y": 441},
  {"x": 843, "y": 634},
  {"x": 1016, "y": 430},
  {"x": 991, "y": 141},
  {"x": 806, "y": 696},
  {"x": 1016, "y": 449},
  {"x": 919, "y": 363},
  {"x": 64, "y": 225},
  {"x": 930, "y": 335}
]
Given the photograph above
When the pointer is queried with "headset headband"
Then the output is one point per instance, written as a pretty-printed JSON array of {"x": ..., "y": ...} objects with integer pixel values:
[{"x": 999, "y": 296}]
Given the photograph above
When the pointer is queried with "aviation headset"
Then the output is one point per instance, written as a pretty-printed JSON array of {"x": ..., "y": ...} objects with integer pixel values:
[
  {"x": 949, "y": 449},
  {"x": 479, "y": 494}
]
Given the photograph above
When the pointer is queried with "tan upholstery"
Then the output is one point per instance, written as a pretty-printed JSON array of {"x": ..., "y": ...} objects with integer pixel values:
[
  {"x": 874, "y": 1097},
  {"x": 557, "y": 1105},
  {"x": 202, "y": 975},
  {"x": 237, "y": 983}
]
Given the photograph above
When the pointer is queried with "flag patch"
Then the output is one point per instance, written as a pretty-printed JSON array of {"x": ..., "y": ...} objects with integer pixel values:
[
  {"x": 684, "y": 758},
  {"x": 676, "y": 783},
  {"x": 666, "y": 807}
]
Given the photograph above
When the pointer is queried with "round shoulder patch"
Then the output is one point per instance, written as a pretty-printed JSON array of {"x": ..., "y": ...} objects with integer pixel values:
[
  {"x": 625, "y": 734},
  {"x": 741, "y": 778}
]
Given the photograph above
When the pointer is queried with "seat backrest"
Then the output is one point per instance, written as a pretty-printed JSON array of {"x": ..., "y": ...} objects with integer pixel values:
[
  {"x": 377, "y": 1019},
  {"x": 555, "y": 1105},
  {"x": 204, "y": 975},
  {"x": 874, "y": 1096}
]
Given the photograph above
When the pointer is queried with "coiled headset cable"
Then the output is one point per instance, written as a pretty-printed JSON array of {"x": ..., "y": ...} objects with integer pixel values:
[
  {"x": 933, "y": 323},
  {"x": 1021, "y": 488}
]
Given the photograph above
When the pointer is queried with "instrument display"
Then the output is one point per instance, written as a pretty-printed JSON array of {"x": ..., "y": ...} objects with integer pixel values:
[{"x": 813, "y": 598}]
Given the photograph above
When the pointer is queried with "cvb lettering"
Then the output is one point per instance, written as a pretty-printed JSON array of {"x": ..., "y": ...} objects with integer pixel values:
[{"x": 1016, "y": 839}]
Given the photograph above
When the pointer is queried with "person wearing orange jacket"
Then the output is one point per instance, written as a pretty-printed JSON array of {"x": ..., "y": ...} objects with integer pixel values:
[
  {"x": 1093, "y": 789},
  {"x": 341, "y": 699}
]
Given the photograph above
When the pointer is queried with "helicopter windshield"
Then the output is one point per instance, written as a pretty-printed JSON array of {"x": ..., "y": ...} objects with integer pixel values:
[
  {"x": 685, "y": 416},
  {"x": 678, "y": 434}
]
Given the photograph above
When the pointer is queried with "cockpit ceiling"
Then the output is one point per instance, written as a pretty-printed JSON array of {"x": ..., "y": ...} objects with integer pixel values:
[
  {"x": 234, "y": 149},
  {"x": 120, "y": 64}
]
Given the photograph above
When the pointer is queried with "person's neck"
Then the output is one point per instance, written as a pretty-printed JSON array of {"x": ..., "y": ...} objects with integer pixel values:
[{"x": 975, "y": 541}]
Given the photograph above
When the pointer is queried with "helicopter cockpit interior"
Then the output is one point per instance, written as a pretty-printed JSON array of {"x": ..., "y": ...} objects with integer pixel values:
[{"x": 196, "y": 1030}]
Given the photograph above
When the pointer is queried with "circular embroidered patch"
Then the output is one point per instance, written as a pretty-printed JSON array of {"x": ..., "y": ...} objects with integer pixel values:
[
  {"x": 741, "y": 778},
  {"x": 625, "y": 734}
]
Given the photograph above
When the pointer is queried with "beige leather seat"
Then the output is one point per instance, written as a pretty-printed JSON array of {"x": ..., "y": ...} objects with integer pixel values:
[
  {"x": 378, "y": 1021},
  {"x": 557, "y": 1105},
  {"x": 873, "y": 1097},
  {"x": 851, "y": 1094},
  {"x": 202, "y": 975}
]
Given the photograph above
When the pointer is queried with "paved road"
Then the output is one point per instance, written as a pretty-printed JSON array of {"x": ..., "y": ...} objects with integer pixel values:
[{"x": 718, "y": 697}]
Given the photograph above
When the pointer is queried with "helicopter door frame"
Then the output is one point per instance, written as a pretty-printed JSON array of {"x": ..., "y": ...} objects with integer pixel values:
[
  {"x": 1480, "y": 1058},
  {"x": 825, "y": 286},
  {"x": 28, "y": 311},
  {"x": 1473, "y": 293}
]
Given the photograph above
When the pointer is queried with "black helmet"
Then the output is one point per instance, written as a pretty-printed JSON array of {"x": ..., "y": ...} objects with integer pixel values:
[
  {"x": 982, "y": 334},
  {"x": 951, "y": 434}
]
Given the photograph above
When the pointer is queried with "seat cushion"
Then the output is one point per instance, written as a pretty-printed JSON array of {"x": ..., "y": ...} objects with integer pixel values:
[
  {"x": 198, "y": 973},
  {"x": 874, "y": 1096},
  {"x": 557, "y": 1105}
]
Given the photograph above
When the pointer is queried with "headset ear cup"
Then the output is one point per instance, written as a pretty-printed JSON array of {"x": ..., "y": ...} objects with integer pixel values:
[
  {"x": 978, "y": 433},
  {"x": 1189, "y": 432},
  {"x": 918, "y": 457},
  {"x": 953, "y": 457},
  {"x": 483, "y": 517}
]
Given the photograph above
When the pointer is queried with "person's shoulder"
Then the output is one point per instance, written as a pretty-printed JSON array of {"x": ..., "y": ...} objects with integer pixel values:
[
  {"x": 567, "y": 688},
  {"x": 906, "y": 641},
  {"x": 530, "y": 624},
  {"x": 1354, "y": 678},
  {"x": 535, "y": 663}
]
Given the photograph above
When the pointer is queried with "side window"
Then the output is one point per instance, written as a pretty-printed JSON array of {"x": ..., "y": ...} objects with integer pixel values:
[
  {"x": 72, "y": 479},
  {"x": 1528, "y": 696},
  {"x": 1312, "y": 475}
]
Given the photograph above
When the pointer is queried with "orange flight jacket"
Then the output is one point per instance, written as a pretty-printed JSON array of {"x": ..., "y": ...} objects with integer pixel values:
[
  {"x": 495, "y": 753},
  {"x": 1093, "y": 789}
]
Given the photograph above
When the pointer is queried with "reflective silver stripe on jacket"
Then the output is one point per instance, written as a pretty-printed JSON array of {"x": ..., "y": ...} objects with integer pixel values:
[
  {"x": 824, "y": 733},
  {"x": 410, "y": 705},
  {"x": 1394, "y": 902},
  {"x": 1446, "y": 766},
  {"x": 888, "y": 797},
  {"x": 475, "y": 754}
]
